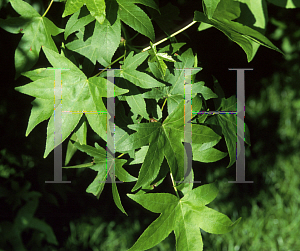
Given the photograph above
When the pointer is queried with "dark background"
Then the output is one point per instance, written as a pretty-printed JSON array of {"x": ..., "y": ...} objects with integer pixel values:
[{"x": 81, "y": 222}]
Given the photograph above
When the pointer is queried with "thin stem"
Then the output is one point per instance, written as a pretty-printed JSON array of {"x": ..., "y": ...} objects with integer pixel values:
[
  {"x": 109, "y": 66},
  {"x": 164, "y": 104},
  {"x": 174, "y": 34},
  {"x": 48, "y": 8},
  {"x": 125, "y": 50},
  {"x": 120, "y": 155},
  {"x": 174, "y": 185}
]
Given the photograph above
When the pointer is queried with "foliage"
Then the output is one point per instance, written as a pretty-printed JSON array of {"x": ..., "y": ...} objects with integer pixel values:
[
  {"x": 142, "y": 89},
  {"x": 23, "y": 204}
]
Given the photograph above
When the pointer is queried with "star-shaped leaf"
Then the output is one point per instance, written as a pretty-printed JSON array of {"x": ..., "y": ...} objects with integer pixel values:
[
  {"x": 165, "y": 140},
  {"x": 184, "y": 216},
  {"x": 102, "y": 45},
  {"x": 79, "y": 95}
]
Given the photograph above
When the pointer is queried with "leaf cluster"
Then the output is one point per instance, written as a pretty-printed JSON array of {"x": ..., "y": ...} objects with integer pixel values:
[{"x": 150, "y": 101}]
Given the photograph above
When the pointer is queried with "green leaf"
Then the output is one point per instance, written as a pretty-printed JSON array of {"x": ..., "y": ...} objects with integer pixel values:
[
  {"x": 137, "y": 103},
  {"x": 81, "y": 132},
  {"x": 184, "y": 216},
  {"x": 101, "y": 159},
  {"x": 208, "y": 155},
  {"x": 37, "y": 32},
  {"x": 162, "y": 67},
  {"x": 102, "y": 45},
  {"x": 96, "y": 8},
  {"x": 254, "y": 14},
  {"x": 196, "y": 105},
  {"x": 206, "y": 92},
  {"x": 78, "y": 94},
  {"x": 140, "y": 155},
  {"x": 165, "y": 140},
  {"x": 156, "y": 93},
  {"x": 116, "y": 198},
  {"x": 72, "y": 6},
  {"x": 241, "y": 32},
  {"x": 75, "y": 24},
  {"x": 100, "y": 165},
  {"x": 229, "y": 126},
  {"x": 36, "y": 115},
  {"x": 202, "y": 195},
  {"x": 132, "y": 62},
  {"x": 156, "y": 69},
  {"x": 136, "y": 18},
  {"x": 228, "y": 10},
  {"x": 159, "y": 59},
  {"x": 97, "y": 186},
  {"x": 174, "y": 93},
  {"x": 210, "y": 7},
  {"x": 140, "y": 79},
  {"x": 79, "y": 136},
  {"x": 204, "y": 26},
  {"x": 214, "y": 222}
]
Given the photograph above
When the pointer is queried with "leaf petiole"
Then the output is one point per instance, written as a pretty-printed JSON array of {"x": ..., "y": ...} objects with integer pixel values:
[
  {"x": 163, "y": 104},
  {"x": 109, "y": 66},
  {"x": 174, "y": 186},
  {"x": 48, "y": 8},
  {"x": 120, "y": 155},
  {"x": 172, "y": 35}
]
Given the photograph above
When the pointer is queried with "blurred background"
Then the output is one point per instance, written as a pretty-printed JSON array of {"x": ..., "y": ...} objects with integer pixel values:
[{"x": 39, "y": 216}]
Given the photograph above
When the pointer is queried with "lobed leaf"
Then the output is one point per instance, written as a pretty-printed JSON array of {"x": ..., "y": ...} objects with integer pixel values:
[
  {"x": 79, "y": 94},
  {"x": 184, "y": 216}
]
